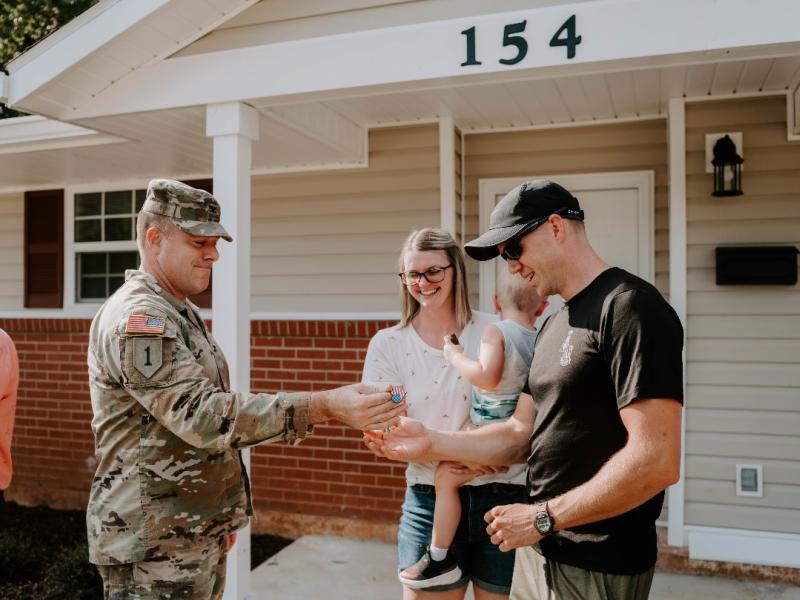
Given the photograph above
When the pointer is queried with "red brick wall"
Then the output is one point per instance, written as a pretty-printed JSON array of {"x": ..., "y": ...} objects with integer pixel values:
[
  {"x": 52, "y": 430},
  {"x": 330, "y": 474}
]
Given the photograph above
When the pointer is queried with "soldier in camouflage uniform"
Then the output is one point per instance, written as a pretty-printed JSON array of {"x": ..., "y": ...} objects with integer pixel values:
[{"x": 170, "y": 485}]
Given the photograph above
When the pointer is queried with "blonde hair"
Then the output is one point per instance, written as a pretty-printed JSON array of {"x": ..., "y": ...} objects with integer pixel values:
[
  {"x": 514, "y": 291},
  {"x": 433, "y": 239}
]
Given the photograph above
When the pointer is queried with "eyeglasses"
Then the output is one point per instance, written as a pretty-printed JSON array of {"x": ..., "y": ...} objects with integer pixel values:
[
  {"x": 513, "y": 249},
  {"x": 432, "y": 275}
]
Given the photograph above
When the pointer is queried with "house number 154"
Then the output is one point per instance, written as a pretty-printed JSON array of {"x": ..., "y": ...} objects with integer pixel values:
[{"x": 512, "y": 36}]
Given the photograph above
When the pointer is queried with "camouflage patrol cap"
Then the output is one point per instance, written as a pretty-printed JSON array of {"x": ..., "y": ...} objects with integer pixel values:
[{"x": 194, "y": 211}]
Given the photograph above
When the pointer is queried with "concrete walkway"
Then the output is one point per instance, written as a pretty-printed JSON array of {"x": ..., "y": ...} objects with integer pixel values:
[{"x": 334, "y": 568}]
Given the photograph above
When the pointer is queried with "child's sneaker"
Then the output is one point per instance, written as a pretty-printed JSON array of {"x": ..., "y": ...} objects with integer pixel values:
[{"x": 427, "y": 572}]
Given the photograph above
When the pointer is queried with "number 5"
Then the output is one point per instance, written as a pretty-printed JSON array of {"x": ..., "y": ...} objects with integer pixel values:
[{"x": 511, "y": 38}]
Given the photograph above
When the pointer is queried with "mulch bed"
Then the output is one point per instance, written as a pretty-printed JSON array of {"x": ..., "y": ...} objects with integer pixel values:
[{"x": 31, "y": 539}]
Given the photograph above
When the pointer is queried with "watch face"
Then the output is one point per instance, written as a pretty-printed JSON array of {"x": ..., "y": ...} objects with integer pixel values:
[{"x": 543, "y": 523}]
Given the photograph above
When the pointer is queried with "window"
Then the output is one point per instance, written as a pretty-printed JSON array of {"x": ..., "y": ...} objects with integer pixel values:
[
  {"x": 104, "y": 241},
  {"x": 107, "y": 216},
  {"x": 101, "y": 273}
]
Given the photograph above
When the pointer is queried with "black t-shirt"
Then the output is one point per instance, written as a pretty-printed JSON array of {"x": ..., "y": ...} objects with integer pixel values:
[{"x": 614, "y": 342}]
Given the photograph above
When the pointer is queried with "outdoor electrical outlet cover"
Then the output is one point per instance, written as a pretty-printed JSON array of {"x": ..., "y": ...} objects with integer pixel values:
[{"x": 749, "y": 480}]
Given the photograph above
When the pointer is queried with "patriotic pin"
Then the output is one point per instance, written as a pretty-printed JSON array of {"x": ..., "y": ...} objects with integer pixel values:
[{"x": 398, "y": 393}]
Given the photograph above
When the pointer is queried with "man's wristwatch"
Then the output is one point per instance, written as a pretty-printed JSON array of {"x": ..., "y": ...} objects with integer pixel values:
[{"x": 543, "y": 522}]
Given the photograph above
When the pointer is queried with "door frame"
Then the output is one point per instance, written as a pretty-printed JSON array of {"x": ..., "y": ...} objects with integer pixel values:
[{"x": 642, "y": 181}]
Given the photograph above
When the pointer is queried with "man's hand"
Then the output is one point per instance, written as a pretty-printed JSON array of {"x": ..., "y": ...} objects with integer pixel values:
[
  {"x": 359, "y": 405},
  {"x": 408, "y": 440},
  {"x": 512, "y": 526}
]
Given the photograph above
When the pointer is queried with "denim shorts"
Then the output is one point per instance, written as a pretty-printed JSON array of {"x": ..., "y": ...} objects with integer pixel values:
[{"x": 479, "y": 559}]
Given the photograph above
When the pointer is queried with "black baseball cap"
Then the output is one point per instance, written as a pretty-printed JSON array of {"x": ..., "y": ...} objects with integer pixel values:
[{"x": 522, "y": 210}]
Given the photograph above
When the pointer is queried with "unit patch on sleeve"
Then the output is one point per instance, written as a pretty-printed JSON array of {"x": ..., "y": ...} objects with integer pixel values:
[
  {"x": 146, "y": 324},
  {"x": 147, "y": 354}
]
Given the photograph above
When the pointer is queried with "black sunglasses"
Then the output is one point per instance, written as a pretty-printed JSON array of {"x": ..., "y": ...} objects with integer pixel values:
[{"x": 513, "y": 249}]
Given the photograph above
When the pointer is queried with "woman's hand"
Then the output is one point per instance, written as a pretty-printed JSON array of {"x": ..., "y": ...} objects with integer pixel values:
[
  {"x": 450, "y": 349},
  {"x": 408, "y": 440}
]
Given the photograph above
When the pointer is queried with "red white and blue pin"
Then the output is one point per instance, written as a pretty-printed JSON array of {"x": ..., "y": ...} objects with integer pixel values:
[{"x": 398, "y": 393}]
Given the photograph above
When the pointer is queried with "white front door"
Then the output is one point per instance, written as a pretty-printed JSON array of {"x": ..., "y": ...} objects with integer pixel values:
[{"x": 619, "y": 221}]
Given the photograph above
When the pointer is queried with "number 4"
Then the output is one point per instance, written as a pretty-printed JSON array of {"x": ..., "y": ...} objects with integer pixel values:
[{"x": 570, "y": 40}]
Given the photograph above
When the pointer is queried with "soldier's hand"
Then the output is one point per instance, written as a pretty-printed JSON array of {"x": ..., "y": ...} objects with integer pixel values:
[{"x": 359, "y": 405}]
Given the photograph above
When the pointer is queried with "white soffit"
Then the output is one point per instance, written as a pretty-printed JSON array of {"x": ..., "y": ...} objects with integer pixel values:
[
  {"x": 643, "y": 93},
  {"x": 107, "y": 43},
  {"x": 37, "y": 152}
]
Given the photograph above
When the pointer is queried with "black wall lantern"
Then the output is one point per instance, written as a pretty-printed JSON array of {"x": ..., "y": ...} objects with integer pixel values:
[{"x": 727, "y": 168}]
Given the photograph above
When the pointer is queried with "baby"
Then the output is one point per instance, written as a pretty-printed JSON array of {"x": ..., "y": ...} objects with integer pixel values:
[{"x": 498, "y": 377}]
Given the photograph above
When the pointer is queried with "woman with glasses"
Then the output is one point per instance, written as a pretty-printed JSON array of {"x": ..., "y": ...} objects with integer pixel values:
[{"x": 434, "y": 303}]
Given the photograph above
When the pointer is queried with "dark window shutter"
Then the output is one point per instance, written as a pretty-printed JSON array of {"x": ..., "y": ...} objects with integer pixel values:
[
  {"x": 203, "y": 299},
  {"x": 44, "y": 249}
]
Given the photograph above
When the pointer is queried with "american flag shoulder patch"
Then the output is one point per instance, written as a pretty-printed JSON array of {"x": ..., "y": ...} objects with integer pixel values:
[{"x": 146, "y": 324}]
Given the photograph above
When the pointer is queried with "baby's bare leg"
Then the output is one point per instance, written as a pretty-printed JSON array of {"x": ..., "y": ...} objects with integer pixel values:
[{"x": 447, "y": 512}]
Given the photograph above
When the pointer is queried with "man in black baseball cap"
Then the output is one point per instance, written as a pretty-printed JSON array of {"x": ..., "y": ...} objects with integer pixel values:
[
  {"x": 522, "y": 210},
  {"x": 602, "y": 426}
]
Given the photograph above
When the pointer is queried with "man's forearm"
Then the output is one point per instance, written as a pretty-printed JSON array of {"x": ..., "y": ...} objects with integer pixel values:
[
  {"x": 622, "y": 484},
  {"x": 318, "y": 411},
  {"x": 648, "y": 463},
  {"x": 496, "y": 444}
]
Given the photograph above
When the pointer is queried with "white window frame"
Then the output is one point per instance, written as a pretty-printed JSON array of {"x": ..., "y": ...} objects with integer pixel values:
[{"x": 72, "y": 248}]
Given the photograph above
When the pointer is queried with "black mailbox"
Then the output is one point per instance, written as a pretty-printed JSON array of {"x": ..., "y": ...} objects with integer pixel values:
[{"x": 757, "y": 265}]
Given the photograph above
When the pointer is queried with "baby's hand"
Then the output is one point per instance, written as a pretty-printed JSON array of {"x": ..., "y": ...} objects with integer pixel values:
[{"x": 452, "y": 347}]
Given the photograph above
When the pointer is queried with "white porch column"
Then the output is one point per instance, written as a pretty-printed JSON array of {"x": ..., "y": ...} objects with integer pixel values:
[
  {"x": 447, "y": 175},
  {"x": 234, "y": 127},
  {"x": 677, "y": 290}
]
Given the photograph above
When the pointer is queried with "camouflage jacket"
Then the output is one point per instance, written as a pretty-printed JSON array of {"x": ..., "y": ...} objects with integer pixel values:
[{"x": 167, "y": 428}]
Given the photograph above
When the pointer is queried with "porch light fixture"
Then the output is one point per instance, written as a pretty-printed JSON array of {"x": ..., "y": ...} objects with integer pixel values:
[{"x": 727, "y": 168}]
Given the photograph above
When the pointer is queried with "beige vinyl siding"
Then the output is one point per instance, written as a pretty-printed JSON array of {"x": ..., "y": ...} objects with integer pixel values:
[
  {"x": 12, "y": 207},
  {"x": 329, "y": 241},
  {"x": 637, "y": 146},
  {"x": 272, "y": 21},
  {"x": 743, "y": 348}
]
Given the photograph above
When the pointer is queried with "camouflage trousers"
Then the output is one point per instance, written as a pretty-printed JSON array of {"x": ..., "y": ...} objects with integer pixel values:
[{"x": 196, "y": 573}]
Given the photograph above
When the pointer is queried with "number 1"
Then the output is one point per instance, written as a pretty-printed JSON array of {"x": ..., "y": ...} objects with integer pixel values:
[
  {"x": 147, "y": 352},
  {"x": 471, "y": 60}
]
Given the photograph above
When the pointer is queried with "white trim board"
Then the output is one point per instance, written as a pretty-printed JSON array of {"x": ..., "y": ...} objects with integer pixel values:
[
  {"x": 793, "y": 114},
  {"x": 676, "y": 144},
  {"x": 744, "y": 546},
  {"x": 643, "y": 181}
]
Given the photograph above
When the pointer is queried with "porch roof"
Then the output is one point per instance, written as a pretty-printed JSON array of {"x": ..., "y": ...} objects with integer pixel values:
[{"x": 150, "y": 119}]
